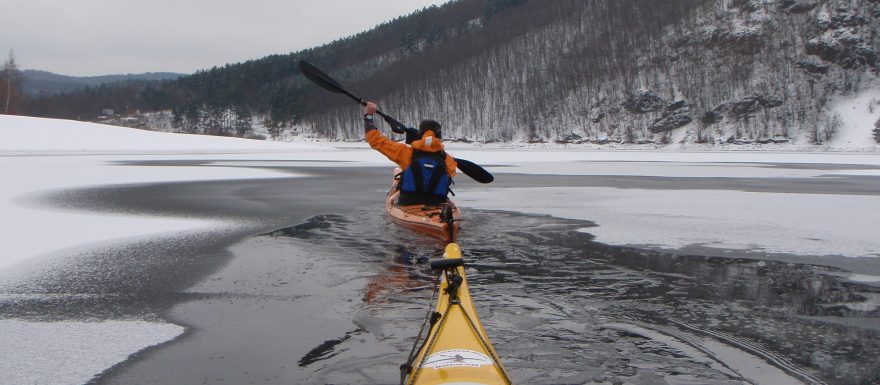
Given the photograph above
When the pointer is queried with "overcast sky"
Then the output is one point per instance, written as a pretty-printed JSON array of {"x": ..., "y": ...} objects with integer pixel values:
[{"x": 101, "y": 37}]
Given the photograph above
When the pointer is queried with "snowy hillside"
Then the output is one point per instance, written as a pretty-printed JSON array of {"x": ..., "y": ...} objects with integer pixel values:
[
  {"x": 710, "y": 73},
  {"x": 707, "y": 72}
]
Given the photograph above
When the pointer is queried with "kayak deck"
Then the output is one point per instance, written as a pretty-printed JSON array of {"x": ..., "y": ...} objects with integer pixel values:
[
  {"x": 457, "y": 349},
  {"x": 424, "y": 218}
]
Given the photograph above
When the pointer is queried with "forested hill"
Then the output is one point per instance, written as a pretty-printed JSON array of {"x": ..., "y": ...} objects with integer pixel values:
[
  {"x": 42, "y": 82},
  {"x": 564, "y": 70}
]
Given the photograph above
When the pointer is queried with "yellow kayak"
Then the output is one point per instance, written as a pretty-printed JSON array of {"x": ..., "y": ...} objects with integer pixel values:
[{"x": 457, "y": 350}]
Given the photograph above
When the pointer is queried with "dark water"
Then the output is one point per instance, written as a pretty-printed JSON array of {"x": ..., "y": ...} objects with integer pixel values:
[{"x": 561, "y": 308}]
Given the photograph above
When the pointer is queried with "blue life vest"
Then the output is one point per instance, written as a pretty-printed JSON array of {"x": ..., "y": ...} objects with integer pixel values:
[{"x": 426, "y": 175}]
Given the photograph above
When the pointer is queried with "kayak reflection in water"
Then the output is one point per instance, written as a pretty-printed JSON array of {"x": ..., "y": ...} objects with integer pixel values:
[
  {"x": 399, "y": 277},
  {"x": 427, "y": 169}
]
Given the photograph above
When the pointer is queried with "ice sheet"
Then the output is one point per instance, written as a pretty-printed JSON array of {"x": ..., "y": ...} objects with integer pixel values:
[{"x": 72, "y": 353}]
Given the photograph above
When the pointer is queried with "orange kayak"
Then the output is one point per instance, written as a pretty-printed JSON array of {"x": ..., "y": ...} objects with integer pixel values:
[{"x": 425, "y": 218}]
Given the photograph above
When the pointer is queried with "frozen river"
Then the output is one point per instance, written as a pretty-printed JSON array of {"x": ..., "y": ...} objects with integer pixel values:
[{"x": 664, "y": 271}]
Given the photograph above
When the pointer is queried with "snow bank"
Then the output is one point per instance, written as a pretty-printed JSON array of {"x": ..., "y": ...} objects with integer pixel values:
[
  {"x": 72, "y": 353},
  {"x": 802, "y": 224},
  {"x": 19, "y": 134},
  {"x": 24, "y": 175}
]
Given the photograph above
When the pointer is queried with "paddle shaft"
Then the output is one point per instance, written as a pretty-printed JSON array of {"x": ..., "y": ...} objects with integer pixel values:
[{"x": 395, "y": 125}]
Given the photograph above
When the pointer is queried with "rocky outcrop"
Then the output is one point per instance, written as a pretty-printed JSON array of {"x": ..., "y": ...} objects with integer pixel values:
[
  {"x": 745, "y": 106},
  {"x": 742, "y": 30},
  {"x": 848, "y": 51},
  {"x": 842, "y": 19},
  {"x": 741, "y": 40},
  {"x": 744, "y": 5},
  {"x": 769, "y": 101},
  {"x": 570, "y": 138},
  {"x": 741, "y": 108},
  {"x": 712, "y": 117},
  {"x": 812, "y": 66},
  {"x": 797, "y": 6},
  {"x": 839, "y": 40},
  {"x": 675, "y": 115},
  {"x": 642, "y": 101},
  {"x": 670, "y": 122}
]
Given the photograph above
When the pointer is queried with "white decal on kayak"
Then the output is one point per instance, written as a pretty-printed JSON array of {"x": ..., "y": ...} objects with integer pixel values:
[{"x": 456, "y": 357}]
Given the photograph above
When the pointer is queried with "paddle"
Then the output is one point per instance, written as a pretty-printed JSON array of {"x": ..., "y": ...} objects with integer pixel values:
[{"x": 324, "y": 81}]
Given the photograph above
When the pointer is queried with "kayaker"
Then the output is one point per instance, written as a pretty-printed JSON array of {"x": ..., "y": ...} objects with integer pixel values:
[{"x": 427, "y": 169}]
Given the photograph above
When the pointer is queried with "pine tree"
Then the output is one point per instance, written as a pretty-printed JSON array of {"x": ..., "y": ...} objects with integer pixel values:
[{"x": 242, "y": 121}]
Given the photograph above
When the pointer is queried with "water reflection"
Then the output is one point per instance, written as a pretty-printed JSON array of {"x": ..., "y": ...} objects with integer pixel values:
[{"x": 553, "y": 301}]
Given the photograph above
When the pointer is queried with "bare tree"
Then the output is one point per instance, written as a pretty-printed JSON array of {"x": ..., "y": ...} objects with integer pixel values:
[{"x": 12, "y": 77}]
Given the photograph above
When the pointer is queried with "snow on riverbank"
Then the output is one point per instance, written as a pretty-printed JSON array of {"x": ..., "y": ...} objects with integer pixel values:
[
  {"x": 801, "y": 224},
  {"x": 76, "y": 154},
  {"x": 73, "y": 353},
  {"x": 24, "y": 135}
]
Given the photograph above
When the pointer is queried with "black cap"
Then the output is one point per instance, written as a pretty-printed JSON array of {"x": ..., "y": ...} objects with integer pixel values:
[{"x": 432, "y": 125}]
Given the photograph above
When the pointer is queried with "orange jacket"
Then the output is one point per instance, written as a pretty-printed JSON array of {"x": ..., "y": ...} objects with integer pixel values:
[{"x": 401, "y": 153}]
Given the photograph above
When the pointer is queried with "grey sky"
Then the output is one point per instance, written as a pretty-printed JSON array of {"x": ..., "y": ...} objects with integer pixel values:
[{"x": 100, "y": 37}]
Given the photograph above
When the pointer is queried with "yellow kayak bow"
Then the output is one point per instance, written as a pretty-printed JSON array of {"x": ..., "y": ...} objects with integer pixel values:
[{"x": 457, "y": 349}]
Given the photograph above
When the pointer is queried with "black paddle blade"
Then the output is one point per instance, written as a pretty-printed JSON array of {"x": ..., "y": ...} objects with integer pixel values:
[
  {"x": 474, "y": 171},
  {"x": 396, "y": 126},
  {"x": 321, "y": 79}
]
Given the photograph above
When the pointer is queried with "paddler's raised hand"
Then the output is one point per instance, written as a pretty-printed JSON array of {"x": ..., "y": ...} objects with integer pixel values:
[{"x": 370, "y": 108}]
